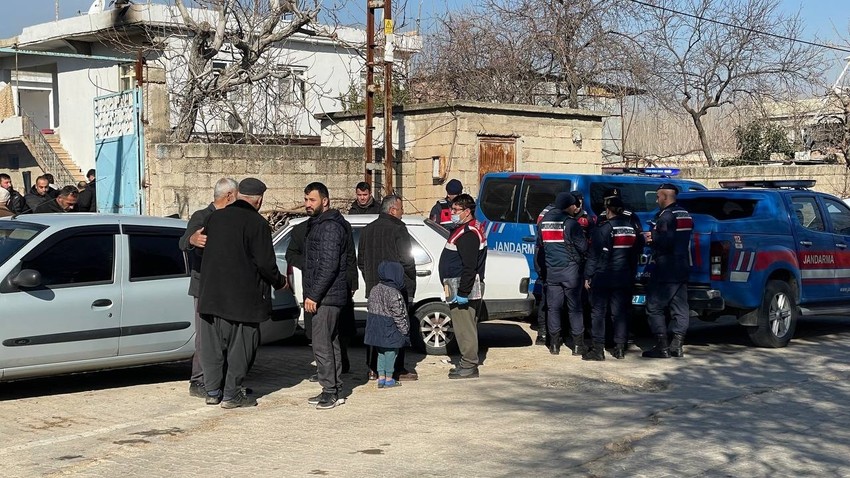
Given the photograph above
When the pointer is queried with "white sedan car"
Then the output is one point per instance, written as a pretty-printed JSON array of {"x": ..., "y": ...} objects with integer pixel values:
[{"x": 506, "y": 292}]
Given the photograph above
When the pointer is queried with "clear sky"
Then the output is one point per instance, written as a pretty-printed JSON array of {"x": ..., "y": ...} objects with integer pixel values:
[{"x": 826, "y": 20}]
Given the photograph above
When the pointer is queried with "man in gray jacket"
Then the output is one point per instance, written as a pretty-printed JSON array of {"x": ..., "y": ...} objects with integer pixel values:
[{"x": 193, "y": 242}]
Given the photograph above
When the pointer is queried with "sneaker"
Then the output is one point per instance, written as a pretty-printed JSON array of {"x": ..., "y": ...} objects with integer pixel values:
[
  {"x": 315, "y": 400},
  {"x": 214, "y": 399},
  {"x": 464, "y": 373},
  {"x": 390, "y": 383},
  {"x": 382, "y": 382},
  {"x": 329, "y": 400},
  {"x": 197, "y": 390},
  {"x": 314, "y": 378},
  {"x": 240, "y": 400}
]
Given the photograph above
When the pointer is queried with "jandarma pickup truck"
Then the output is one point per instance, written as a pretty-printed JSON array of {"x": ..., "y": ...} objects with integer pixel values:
[{"x": 768, "y": 252}]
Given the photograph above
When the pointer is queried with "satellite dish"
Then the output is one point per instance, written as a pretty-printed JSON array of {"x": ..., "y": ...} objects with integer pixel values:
[{"x": 96, "y": 7}]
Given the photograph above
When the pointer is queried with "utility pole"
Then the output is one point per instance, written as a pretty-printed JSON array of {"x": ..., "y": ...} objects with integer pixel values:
[
  {"x": 371, "y": 46},
  {"x": 388, "y": 96},
  {"x": 371, "y": 5}
]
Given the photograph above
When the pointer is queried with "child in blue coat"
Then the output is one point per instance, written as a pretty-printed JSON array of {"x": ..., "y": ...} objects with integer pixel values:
[{"x": 387, "y": 324}]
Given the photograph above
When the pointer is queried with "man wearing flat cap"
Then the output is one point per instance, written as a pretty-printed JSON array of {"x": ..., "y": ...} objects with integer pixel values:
[
  {"x": 564, "y": 248},
  {"x": 441, "y": 212},
  {"x": 670, "y": 239},
  {"x": 237, "y": 273}
]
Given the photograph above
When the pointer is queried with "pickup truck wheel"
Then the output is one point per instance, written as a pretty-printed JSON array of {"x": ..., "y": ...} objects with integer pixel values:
[
  {"x": 777, "y": 316},
  {"x": 436, "y": 330}
]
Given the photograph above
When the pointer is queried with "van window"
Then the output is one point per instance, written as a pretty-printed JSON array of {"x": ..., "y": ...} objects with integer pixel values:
[
  {"x": 719, "y": 208},
  {"x": 638, "y": 197},
  {"x": 498, "y": 200},
  {"x": 537, "y": 194}
]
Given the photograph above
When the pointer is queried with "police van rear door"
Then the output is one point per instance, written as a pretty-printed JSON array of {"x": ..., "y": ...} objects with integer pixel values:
[{"x": 508, "y": 206}]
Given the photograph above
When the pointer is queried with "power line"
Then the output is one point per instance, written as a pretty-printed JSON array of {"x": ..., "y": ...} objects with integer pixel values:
[{"x": 752, "y": 30}]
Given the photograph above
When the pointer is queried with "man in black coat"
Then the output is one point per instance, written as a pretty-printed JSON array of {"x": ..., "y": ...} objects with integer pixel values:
[
  {"x": 235, "y": 295},
  {"x": 387, "y": 239},
  {"x": 364, "y": 203},
  {"x": 38, "y": 194},
  {"x": 64, "y": 202},
  {"x": 16, "y": 202},
  {"x": 326, "y": 289},
  {"x": 193, "y": 242},
  {"x": 88, "y": 196}
]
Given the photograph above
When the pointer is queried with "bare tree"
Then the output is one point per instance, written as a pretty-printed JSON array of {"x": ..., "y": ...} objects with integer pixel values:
[
  {"x": 529, "y": 51},
  {"x": 248, "y": 29},
  {"x": 708, "y": 53}
]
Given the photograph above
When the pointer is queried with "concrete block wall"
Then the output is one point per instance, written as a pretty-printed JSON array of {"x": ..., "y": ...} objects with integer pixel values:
[
  {"x": 181, "y": 176},
  {"x": 832, "y": 179}
]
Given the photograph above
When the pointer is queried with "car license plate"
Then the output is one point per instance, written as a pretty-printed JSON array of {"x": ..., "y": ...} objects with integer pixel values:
[{"x": 638, "y": 299}]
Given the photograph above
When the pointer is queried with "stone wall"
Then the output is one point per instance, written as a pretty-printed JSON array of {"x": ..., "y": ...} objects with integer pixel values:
[
  {"x": 832, "y": 179},
  {"x": 452, "y": 132},
  {"x": 181, "y": 176}
]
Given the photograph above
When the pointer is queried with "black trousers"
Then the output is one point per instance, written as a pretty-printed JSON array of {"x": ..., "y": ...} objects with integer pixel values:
[
  {"x": 618, "y": 300},
  {"x": 556, "y": 294},
  {"x": 542, "y": 312},
  {"x": 229, "y": 349},
  {"x": 661, "y": 296}
]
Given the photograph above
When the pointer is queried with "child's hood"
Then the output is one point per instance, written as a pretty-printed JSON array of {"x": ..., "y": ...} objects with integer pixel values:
[{"x": 391, "y": 274}]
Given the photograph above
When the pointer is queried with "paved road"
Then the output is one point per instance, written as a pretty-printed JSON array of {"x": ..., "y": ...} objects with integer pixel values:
[{"x": 725, "y": 410}]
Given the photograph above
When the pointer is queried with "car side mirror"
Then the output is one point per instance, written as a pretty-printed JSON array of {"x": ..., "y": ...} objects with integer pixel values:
[{"x": 27, "y": 278}]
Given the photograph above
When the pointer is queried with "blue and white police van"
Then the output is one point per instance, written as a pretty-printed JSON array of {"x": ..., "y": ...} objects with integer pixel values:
[{"x": 509, "y": 203}]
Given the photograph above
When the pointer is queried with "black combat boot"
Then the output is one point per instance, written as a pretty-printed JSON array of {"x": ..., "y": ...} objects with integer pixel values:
[
  {"x": 676, "y": 344},
  {"x": 661, "y": 350},
  {"x": 596, "y": 352},
  {"x": 579, "y": 347},
  {"x": 555, "y": 343},
  {"x": 541, "y": 338},
  {"x": 619, "y": 351}
]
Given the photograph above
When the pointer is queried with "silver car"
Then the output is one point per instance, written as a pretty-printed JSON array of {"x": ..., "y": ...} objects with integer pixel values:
[{"x": 82, "y": 292}]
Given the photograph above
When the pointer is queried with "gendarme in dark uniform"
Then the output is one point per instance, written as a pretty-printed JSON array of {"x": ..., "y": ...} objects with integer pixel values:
[
  {"x": 609, "y": 275},
  {"x": 564, "y": 249},
  {"x": 634, "y": 220},
  {"x": 670, "y": 240},
  {"x": 441, "y": 212}
]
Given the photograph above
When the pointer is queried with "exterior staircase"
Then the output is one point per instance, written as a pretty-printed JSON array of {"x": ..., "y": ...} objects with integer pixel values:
[
  {"x": 50, "y": 155},
  {"x": 65, "y": 159}
]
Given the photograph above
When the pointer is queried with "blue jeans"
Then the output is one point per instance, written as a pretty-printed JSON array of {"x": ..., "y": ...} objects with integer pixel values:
[{"x": 386, "y": 361}]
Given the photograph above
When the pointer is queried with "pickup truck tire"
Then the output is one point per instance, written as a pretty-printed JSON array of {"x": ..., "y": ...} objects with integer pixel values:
[
  {"x": 436, "y": 330},
  {"x": 777, "y": 316}
]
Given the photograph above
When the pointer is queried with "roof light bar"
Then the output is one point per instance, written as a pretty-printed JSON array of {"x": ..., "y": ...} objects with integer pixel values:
[
  {"x": 666, "y": 172},
  {"x": 769, "y": 184}
]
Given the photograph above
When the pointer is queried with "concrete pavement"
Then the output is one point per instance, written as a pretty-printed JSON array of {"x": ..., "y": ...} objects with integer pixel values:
[{"x": 727, "y": 409}]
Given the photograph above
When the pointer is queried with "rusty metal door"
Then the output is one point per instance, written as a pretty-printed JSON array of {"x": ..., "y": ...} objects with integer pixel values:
[{"x": 496, "y": 154}]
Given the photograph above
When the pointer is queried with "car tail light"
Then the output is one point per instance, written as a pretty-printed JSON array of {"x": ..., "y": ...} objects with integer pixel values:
[
  {"x": 719, "y": 255},
  {"x": 523, "y": 285}
]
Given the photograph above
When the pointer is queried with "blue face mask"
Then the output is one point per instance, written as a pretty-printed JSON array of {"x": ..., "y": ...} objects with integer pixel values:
[{"x": 455, "y": 218}]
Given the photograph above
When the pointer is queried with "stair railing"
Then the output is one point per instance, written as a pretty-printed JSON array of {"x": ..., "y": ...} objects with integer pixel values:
[{"x": 44, "y": 154}]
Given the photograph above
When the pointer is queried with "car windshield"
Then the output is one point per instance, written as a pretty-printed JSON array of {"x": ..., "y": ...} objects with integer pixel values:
[{"x": 15, "y": 235}]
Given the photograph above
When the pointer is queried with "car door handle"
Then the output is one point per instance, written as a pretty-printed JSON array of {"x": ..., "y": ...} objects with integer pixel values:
[
  {"x": 101, "y": 303},
  {"x": 423, "y": 273},
  {"x": 841, "y": 246},
  {"x": 806, "y": 243},
  {"x": 529, "y": 238}
]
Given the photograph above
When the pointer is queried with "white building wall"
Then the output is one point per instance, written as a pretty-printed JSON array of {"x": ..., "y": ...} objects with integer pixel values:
[{"x": 78, "y": 83}]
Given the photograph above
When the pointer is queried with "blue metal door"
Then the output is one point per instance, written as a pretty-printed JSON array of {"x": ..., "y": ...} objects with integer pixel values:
[{"x": 119, "y": 152}]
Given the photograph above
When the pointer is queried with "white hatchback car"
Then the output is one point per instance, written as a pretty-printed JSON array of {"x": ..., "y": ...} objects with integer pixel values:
[
  {"x": 84, "y": 291},
  {"x": 506, "y": 292}
]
